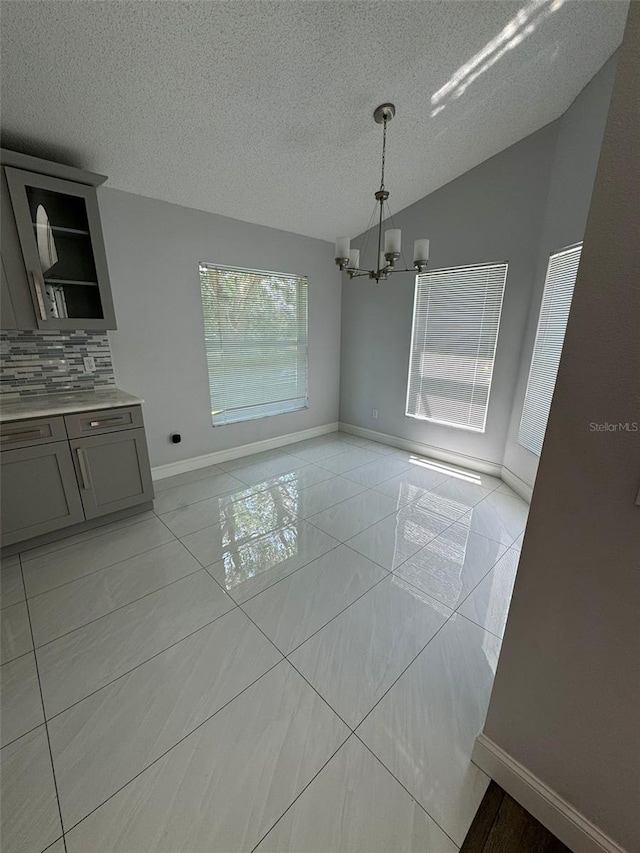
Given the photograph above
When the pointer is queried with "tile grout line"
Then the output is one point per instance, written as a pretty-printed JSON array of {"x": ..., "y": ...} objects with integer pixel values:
[
  {"x": 117, "y": 563},
  {"x": 344, "y": 609},
  {"x": 9, "y": 742},
  {"x": 199, "y": 500},
  {"x": 413, "y": 659},
  {"x": 106, "y": 568},
  {"x": 255, "y": 488},
  {"x": 275, "y": 583},
  {"x": 259, "y": 488},
  {"x": 417, "y": 802},
  {"x": 46, "y": 725},
  {"x": 138, "y": 665},
  {"x": 120, "y": 607},
  {"x": 297, "y": 797},
  {"x": 98, "y": 530},
  {"x": 304, "y": 678},
  {"x": 482, "y": 628},
  {"x": 458, "y": 606},
  {"x": 173, "y": 746},
  {"x": 216, "y": 524},
  {"x": 485, "y": 575},
  {"x": 353, "y": 731}
]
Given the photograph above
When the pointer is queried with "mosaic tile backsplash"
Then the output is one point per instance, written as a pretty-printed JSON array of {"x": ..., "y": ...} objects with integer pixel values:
[{"x": 36, "y": 362}]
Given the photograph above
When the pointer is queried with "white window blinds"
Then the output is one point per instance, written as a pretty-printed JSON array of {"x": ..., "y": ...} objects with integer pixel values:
[
  {"x": 552, "y": 324},
  {"x": 456, "y": 315},
  {"x": 255, "y": 327}
]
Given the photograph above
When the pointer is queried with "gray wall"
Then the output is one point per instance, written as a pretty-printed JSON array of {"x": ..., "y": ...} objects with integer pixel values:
[
  {"x": 153, "y": 250},
  {"x": 519, "y": 206},
  {"x": 566, "y": 697},
  {"x": 575, "y": 161},
  {"x": 492, "y": 213}
]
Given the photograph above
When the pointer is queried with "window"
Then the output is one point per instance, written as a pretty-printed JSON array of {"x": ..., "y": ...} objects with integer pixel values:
[
  {"x": 456, "y": 315},
  {"x": 552, "y": 324},
  {"x": 255, "y": 328}
]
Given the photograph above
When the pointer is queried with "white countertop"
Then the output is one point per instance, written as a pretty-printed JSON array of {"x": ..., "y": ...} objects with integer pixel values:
[{"x": 42, "y": 405}]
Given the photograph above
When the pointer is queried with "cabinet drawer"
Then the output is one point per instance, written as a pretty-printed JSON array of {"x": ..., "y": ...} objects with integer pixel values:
[
  {"x": 15, "y": 434},
  {"x": 104, "y": 420}
]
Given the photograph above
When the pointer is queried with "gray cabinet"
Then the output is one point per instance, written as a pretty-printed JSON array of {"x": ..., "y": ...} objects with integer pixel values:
[
  {"x": 7, "y": 314},
  {"x": 39, "y": 491},
  {"x": 63, "y": 470},
  {"x": 61, "y": 240},
  {"x": 53, "y": 256},
  {"x": 16, "y": 306},
  {"x": 113, "y": 471}
]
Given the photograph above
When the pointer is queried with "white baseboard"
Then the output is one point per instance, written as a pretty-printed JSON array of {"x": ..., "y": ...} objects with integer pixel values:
[
  {"x": 159, "y": 472},
  {"x": 471, "y": 462},
  {"x": 513, "y": 481},
  {"x": 559, "y": 816}
]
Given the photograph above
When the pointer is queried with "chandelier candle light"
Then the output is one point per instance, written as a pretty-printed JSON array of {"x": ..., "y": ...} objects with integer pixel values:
[{"x": 390, "y": 251}]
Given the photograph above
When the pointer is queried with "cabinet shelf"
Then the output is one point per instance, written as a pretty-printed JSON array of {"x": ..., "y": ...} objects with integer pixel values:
[
  {"x": 59, "y": 229},
  {"x": 70, "y": 281}
]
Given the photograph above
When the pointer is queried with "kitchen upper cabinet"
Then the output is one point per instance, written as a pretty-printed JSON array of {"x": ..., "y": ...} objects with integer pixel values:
[{"x": 55, "y": 266}]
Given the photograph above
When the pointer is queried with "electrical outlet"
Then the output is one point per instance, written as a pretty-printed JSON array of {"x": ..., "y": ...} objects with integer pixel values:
[
  {"x": 89, "y": 364},
  {"x": 374, "y": 413}
]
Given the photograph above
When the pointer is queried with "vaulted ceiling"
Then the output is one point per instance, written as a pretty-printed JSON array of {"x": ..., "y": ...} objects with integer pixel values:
[{"x": 263, "y": 110}]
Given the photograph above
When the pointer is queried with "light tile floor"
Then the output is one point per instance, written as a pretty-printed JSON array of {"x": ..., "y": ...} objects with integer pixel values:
[{"x": 294, "y": 652}]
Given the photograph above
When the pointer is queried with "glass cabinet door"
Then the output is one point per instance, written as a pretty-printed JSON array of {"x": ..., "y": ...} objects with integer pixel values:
[{"x": 61, "y": 240}]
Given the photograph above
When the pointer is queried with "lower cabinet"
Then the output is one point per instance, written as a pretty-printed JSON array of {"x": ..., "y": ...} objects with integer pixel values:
[
  {"x": 39, "y": 491},
  {"x": 113, "y": 471},
  {"x": 62, "y": 470}
]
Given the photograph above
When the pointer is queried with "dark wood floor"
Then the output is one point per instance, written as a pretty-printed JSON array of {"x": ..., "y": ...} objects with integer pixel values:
[{"x": 503, "y": 826}]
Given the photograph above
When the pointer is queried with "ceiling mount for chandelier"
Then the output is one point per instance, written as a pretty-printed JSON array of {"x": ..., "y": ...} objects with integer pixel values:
[{"x": 389, "y": 251}]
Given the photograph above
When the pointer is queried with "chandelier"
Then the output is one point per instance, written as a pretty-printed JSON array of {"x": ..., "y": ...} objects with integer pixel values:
[{"x": 348, "y": 259}]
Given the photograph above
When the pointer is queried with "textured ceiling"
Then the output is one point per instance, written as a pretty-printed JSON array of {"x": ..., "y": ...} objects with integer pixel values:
[{"x": 262, "y": 111}]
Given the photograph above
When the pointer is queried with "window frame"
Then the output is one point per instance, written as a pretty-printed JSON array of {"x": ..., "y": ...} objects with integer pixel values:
[
  {"x": 230, "y": 421},
  {"x": 440, "y": 422},
  {"x": 574, "y": 247}
]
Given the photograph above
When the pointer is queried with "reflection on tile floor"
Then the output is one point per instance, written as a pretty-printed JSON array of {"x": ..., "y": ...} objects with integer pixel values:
[{"x": 336, "y": 586}]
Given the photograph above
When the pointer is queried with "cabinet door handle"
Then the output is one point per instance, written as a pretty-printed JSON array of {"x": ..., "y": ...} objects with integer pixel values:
[
  {"x": 106, "y": 421},
  {"x": 21, "y": 436},
  {"x": 85, "y": 471},
  {"x": 37, "y": 286}
]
